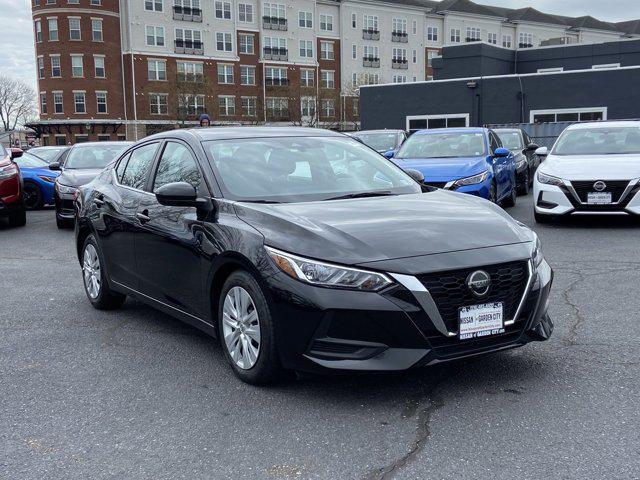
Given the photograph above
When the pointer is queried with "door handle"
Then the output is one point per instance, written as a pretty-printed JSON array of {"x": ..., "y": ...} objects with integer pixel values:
[{"x": 143, "y": 217}]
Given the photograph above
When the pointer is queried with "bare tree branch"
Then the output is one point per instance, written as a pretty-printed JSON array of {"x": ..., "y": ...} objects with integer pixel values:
[{"x": 17, "y": 102}]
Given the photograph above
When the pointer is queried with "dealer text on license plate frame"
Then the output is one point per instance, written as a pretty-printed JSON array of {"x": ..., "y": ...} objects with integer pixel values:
[
  {"x": 599, "y": 198},
  {"x": 477, "y": 321}
]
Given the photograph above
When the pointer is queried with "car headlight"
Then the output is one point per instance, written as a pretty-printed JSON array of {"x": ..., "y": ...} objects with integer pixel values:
[
  {"x": 327, "y": 275},
  {"x": 537, "y": 252},
  {"x": 65, "y": 189},
  {"x": 8, "y": 171},
  {"x": 549, "y": 180},
  {"x": 474, "y": 180},
  {"x": 47, "y": 179}
]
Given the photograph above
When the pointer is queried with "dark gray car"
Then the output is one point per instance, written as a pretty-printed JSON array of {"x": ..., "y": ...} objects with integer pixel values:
[{"x": 523, "y": 148}]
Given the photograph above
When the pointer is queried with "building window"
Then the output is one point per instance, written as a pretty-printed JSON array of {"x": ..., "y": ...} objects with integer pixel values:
[
  {"x": 327, "y": 51},
  {"x": 371, "y": 52},
  {"x": 153, "y": 5},
  {"x": 155, "y": 36},
  {"x": 51, "y": 2},
  {"x": 473, "y": 34},
  {"x": 307, "y": 77},
  {"x": 492, "y": 38},
  {"x": 399, "y": 25},
  {"x": 190, "y": 72},
  {"x": 414, "y": 56},
  {"x": 327, "y": 79},
  {"x": 455, "y": 35},
  {"x": 77, "y": 68},
  {"x": 157, "y": 69},
  {"x": 158, "y": 103},
  {"x": 308, "y": 107},
  {"x": 275, "y": 46},
  {"x": 225, "y": 74},
  {"x": 506, "y": 41},
  {"x": 306, "y": 48},
  {"x": 305, "y": 19},
  {"x": 421, "y": 122},
  {"x": 104, "y": 137},
  {"x": 56, "y": 71},
  {"x": 248, "y": 106},
  {"x": 43, "y": 102},
  {"x": 354, "y": 20},
  {"x": 551, "y": 70},
  {"x": 399, "y": 55},
  {"x": 101, "y": 102},
  {"x": 326, "y": 23},
  {"x": 568, "y": 115},
  {"x": 414, "y": 27},
  {"x": 246, "y": 44},
  {"x": 245, "y": 12},
  {"x": 38, "y": 26},
  {"x": 73, "y": 2},
  {"x": 191, "y": 104},
  {"x": 525, "y": 40},
  {"x": 95, "y": 3},
  {"x": 74, "y": 29},
  {"x": 328, "y": 107},
  {"x": 227, "y": 105},
  {"x": 223, "y": 42},
  {"x": 247, "y": 75},
  {"x": 79, "y": 102},
  {"x": 371, "y": 79},
  {"x": 57, "y": 103},
  {"x": 223, "y": 10},
  {"x": 53, "y": 29},
  {"x": 40, "y": 66},
  {"x": 354, "y": 51},
  {"x": 431, "y": 54},
  {"x": 399, "y": 79},
  {"x": 96, "y": 30},
  {"x": 432, "y": 34},
  {"x": 604, "y": 66},
  {"x": 188, "y": 38},
  {"x": 274, "y": 10},
  {"x": 370, "y": 22},
  {"x": 277, "y": 108},
  {"x": 276, "y": 76},
  {"x": 98, "y": 64}
]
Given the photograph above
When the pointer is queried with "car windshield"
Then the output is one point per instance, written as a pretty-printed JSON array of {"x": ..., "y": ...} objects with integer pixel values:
[
  {"x": 443, "y": 145},
  {"x": 300, "y": 169},
  {"x": 93, "y": 156},
  {"x": 510, "y": 140},
  {"x": 382, "y": 142},
  {"x": 599, "y": 141},
  {"x": 47, "y": 154},
  {"x": 27, "y": 160}
]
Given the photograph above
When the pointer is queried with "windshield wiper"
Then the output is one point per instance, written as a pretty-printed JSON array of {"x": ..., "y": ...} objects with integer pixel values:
[
  {"x": 260, "y": 201},
  {"x": 379, "y": 193}
]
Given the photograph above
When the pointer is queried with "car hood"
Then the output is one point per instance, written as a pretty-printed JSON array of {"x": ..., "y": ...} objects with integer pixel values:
[
  {"x": 45, "y": 172},
  {"x": 592, "y": 167},
  {"x": 383, "y": 228},
  {"x": 444, "y": 169},
  {"x": 77, "y": 178}
]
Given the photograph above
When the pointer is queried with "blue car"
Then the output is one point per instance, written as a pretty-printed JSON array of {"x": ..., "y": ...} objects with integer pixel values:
[
  {"x": 38, "y": 181},
  {"x": 467, "y": 160}
]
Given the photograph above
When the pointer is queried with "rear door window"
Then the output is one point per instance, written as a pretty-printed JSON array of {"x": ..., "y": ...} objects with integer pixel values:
[{"x": 138, "y": 168}]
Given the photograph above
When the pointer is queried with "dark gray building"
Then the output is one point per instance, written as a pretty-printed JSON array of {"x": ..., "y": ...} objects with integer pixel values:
[{"x": 480, "y": 84}]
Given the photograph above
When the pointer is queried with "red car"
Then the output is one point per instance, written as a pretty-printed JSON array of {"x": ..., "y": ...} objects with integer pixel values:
[{"x": 11, "y": 198}]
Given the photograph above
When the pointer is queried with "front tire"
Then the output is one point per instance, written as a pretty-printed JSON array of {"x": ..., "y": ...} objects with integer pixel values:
[
  {"x": 511, "y": 200},
  {"x": 95, "y": 281},
  {"x": 247, "y": 330},
  {"x": 526, "y": 184}
]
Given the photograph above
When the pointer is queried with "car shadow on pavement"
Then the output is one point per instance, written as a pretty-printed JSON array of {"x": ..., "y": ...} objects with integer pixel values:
[{"x": 596, "y": 221}]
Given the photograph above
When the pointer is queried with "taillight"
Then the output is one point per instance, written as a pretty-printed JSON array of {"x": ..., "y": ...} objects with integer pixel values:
[{"x": 9, "y": 171}]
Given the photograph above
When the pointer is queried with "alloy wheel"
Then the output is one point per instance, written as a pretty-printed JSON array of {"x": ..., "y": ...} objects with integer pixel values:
[
  {"x": 31, "y": 197},
  {"x": 91, "y": 271},
  {"x": 241, "y": 328}
]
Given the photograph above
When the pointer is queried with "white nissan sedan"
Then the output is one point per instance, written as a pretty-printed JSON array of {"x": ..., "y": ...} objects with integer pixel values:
[{"x": 593, "y": 168}]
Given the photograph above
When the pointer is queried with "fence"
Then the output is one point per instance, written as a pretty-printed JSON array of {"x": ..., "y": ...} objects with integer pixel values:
[{"x": 543, "y": 134}]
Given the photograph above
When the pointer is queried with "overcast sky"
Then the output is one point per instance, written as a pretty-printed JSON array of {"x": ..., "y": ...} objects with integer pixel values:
[{"x": 17, "y": 58}]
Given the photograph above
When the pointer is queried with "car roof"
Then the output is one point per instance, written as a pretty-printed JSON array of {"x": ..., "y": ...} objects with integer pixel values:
[
  {"x": 507, "y": 129},
  {"x": 96, "y": 144},
  {"x": 49, "y": 147},
  {"x": 605, "y": 124},
  {"x": 227, "y": 133},
  {"x": 452, "y": 130},
  {"x": 380, "y": 130}
]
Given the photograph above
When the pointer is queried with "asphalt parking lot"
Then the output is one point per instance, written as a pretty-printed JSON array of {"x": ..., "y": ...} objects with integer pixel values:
[{"x": 136, "y": 394}]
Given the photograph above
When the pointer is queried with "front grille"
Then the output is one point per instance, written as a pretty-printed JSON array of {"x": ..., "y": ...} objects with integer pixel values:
[
  {"x": 450, "y": 292},
  {"x": 436, "y": 184},
  {"x": 615, "y": 187}
]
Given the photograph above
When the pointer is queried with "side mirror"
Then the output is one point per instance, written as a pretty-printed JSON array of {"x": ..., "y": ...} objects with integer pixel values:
[
  {"x": 501, "y": 152},
  {"x": 177, "y": 194},
  {"x": 16, "y": 152},
  {"x": 533, "y": 146},
  {"x": 415, "y": 174},
  {"x": 542, "y": 151},
  {"x": 390, "y": 154},
  {"x": 54, "y": 166}
]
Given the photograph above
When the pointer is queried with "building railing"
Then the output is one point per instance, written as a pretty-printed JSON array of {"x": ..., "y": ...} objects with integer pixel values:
[
  {"x": 399, "y": 63},
  {"x": 278, "y": 115},
  {"x": 525, "y": 45},
  {"x": 188, "y": 14},
  {"x": 190, "y": 110},
  {"x": 276, "y": 82},
  {"x": 275, "y": 53},
  {"x": 370, "y": 34},
  {"x": 274, "y": 23},
  {"x": 400, "y": 37},
  {"x": 371, "y": 62},
  {"x": 189, "y": 47},
  {"x": 472, "y": 39}
]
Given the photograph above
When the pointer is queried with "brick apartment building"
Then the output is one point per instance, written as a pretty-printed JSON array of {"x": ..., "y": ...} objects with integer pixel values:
[{"x": 111, "y": 69}]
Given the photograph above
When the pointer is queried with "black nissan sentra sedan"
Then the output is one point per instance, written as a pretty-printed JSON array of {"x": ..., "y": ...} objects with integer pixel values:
[{"x": 302, "y": 249}]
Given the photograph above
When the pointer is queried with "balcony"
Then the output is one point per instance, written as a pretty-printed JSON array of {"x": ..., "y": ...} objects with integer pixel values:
[
  {"x": 399, "y": 64},
  {"x": 274, "y": 23},
  {"x": 400, "y": 37},
  {"x": 525, "y": 45},
  {"x": 189, "y": 47},
  {"x": 371, "y": 34},
  {"x": 187, "y": 14},
  {"x": 190, "y": 78},
  {"x": 275, "y": 53},
  {"x": 276, "y": 82},
  {"x": 190, "y": 110},
  {"x": 278, "y": 115},
  {"x": 472, "y": 39},
  {"x": 371, "y": 62}
]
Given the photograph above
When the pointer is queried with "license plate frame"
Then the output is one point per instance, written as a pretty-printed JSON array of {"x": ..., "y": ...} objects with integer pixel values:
[
  {"x": 481, "y": 320},
  {"x": 599, "y": 198}
]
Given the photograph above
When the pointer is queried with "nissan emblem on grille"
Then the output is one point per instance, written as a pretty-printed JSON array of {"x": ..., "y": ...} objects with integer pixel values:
[
  {"x": 599, "y": 186},
  {"x": 479, "y": 283}
]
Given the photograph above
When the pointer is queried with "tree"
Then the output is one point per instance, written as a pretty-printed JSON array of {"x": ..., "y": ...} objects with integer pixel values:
[
  {"x": 186, "y": 94},
  {"x": 17, "y": 102}
]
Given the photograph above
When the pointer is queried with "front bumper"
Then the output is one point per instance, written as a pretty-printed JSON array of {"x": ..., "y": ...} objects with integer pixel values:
[
  {"x": 64, "y": 205},
  {"x": 321, "y": 329},
  {"x": 562, "y": 200},
  {"x": 479, "y": 189}
]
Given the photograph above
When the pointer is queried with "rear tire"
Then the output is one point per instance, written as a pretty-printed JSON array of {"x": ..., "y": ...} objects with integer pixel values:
[
  {"x": 94, "y": 277},
  {"x": 247, "y": 330},
  {"x": 18, "y": 219},
  {"x": 33, "y": 196}
]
